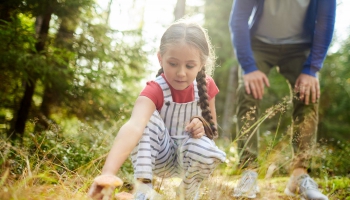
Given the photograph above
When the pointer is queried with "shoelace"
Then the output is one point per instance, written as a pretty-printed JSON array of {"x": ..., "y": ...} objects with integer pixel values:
[{"x": 308, "y": 183}]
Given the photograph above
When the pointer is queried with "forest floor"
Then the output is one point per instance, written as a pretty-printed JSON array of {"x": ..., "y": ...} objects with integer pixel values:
[
  {"x": 45, "y": 187},
  {"x": 219, "y": 187}
]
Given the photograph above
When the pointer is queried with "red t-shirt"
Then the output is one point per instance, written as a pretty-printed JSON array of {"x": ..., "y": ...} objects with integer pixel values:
[{"x": 155, "y": 92}]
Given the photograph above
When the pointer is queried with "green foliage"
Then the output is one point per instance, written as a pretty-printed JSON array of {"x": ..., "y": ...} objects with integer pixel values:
[
  {"x": 337, "y": 187},
  {"x": 332, "y": 159},
  {"x": 17, "y": 39},
  {"x": 106, "y": 69},
  {"x": 217, "y": 14},
  {"x": 278, "y": 92},
  {"x": 83, "y": 150},
  {"x": 335, "y": 96},
  {"x": 86, "y": 70}
]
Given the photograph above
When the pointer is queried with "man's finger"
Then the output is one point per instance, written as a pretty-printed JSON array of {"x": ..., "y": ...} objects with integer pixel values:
[
  {"x": 253, "y": 90},
  {"x": 296, "y": 86},
  {"x": 307, "y": 96},
  {"x": 266, "y": 81},
  {"x": 301, "y": 92},
  {"x": 313, "y": 94},
  {"x": 261, "y": 89},
  {"x": 318, "y": 91},
  {"x": 247, "y": 88}
]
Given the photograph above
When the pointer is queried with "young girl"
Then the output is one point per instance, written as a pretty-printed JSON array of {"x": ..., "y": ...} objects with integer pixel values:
[{"x": 173, "y": 122}]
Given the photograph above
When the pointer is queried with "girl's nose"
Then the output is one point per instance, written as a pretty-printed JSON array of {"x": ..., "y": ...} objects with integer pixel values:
[{"x": 181, "y": 72}]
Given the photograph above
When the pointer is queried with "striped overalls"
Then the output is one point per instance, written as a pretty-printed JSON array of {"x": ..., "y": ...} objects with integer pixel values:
[{"x": 166, "y": 150}]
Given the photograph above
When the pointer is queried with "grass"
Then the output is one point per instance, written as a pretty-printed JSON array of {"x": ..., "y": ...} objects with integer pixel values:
[
  {"x": 55, "y": 166},
  {"x": 41, "y": 179}
]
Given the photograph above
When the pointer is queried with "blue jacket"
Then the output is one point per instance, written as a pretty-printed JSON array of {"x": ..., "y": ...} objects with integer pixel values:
[{"x": 319, "y": 21}]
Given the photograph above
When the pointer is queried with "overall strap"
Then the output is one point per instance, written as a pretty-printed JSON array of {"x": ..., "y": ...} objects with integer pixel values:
[
  {"x": 165, "y": 87},
  {"x": 196, "y": 96}
]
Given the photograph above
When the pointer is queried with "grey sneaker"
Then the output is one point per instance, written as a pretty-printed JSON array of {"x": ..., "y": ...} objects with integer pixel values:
[
  {"x": 308, "y": 188},
  {"x": 247, "y": 185}
]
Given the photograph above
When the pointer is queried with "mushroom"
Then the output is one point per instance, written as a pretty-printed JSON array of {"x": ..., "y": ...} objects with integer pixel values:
[{"x": 108, "y": 182}]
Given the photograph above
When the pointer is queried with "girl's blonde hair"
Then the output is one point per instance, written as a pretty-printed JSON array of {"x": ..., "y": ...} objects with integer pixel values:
[{"x": 195, "y": 35}]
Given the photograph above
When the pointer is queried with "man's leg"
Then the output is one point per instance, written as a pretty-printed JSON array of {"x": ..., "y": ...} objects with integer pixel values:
[
  {"x": 305, "y": 117},
  {"x": 248, "y": 110},
  {"x": 248, "y": 114},
  {"x": 247, "y": 135},
  {"x": 305, "y": 121}
]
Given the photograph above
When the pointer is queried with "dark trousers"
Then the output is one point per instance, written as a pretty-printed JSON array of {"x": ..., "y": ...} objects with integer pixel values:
[{"x": 290, "y": 59}]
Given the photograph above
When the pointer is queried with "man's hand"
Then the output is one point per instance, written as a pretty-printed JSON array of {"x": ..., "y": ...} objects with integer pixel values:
[
  {"x": 196, "y": 128},
  {"x": 307, "y": 85},
  {"x": 255, "y": 82}
]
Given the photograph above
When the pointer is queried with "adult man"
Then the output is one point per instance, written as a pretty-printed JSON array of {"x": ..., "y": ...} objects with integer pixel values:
[{"x": 293, "y": 35}]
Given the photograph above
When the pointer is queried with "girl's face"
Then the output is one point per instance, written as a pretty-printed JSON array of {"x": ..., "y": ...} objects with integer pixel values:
[{"x": 181, "y": 64}]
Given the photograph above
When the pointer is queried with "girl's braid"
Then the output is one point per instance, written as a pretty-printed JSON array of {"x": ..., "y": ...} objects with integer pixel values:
[
  {"x": 160, "y": 71},
  {"x": 204, "y": 103}
]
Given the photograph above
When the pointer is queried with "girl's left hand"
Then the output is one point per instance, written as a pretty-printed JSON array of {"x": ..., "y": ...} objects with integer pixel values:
[{"x": 196, "y": 128}]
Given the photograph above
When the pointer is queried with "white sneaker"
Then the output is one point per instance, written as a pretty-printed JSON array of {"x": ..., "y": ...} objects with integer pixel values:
[
  {"x": 308, "y": 188},
  {"x": 247, "y": 185},
  {"x": 145, "y": 192},
  {"x": 140, "y": 196}
]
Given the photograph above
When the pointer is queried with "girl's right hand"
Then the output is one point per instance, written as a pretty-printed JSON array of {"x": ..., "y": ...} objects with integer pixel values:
[{"x": 103, "y": 186}]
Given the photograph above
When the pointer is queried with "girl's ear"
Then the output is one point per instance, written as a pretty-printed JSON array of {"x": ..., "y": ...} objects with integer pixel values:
[{"x": 159, "y": 58}]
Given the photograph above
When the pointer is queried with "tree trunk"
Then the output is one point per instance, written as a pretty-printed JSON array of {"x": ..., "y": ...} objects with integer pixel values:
[
  {"x": 17, "y": 129},
  {"x": 180, "y": 8},
  {"x": 230, "y": 104},
  {"x": 6, "y": 7},
  {"x": 108, "y": 11},
  {"x": 51, "y": 96}
]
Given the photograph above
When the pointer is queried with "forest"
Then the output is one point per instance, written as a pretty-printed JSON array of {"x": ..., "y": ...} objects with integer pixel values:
[{"x": 68, "y": 82}]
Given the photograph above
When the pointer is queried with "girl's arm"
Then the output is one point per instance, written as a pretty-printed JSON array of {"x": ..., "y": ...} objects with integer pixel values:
[{"x": 129, "y": 135}]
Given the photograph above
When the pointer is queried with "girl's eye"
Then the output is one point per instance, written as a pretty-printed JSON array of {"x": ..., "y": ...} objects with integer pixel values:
[
  {"x": 172, "y": 64},
  {"x": 189, "y": 66}
]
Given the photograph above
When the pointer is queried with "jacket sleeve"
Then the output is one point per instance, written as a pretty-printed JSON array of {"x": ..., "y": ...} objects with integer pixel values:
[
  {"x": 240, "y": 34},
  {"x": 323, "y": 33}
]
